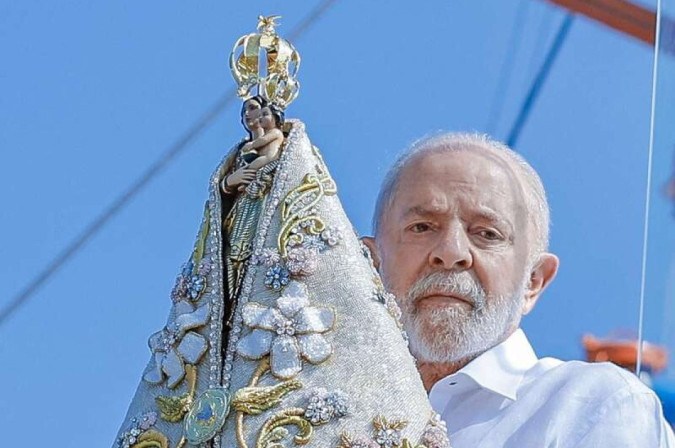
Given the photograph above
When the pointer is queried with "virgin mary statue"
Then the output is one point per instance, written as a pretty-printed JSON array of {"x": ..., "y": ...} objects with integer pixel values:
[{"x": 280, "y": 333}]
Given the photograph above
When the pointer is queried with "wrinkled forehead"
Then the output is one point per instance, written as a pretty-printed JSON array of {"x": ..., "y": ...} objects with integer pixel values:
[{"x": 475, "y": 173}]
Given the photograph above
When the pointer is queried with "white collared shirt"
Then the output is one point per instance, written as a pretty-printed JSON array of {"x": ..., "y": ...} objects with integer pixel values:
[{"x": 508, "y": 398}]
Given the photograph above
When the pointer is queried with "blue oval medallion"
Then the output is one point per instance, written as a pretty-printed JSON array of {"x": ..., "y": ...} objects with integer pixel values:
[{"x": 206, "y": 416}]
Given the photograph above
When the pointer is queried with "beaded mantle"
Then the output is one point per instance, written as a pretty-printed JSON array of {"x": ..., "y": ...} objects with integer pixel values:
[{"x": 312, "y": 353}]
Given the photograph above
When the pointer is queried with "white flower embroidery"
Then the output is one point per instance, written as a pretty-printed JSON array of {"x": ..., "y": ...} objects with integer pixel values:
[
  {"x": 290, "y": 331},
  {"x": 174, "y": 345}
]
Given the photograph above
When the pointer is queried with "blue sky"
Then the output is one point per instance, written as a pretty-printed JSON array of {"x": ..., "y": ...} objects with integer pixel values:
[{"x": 92, "y": 92}]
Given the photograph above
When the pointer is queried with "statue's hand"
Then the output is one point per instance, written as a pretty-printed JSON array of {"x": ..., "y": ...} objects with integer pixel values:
[{"x": 242, "y": 176}]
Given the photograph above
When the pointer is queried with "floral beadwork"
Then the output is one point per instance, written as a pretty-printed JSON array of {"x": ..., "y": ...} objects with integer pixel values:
[
  {"x": 380, "y": 293},
  {"x": 175, "y": 345},
  {"x": 332, "y": 236},
  {"x": 301, "y": 256},
  {"x": 196, "y": 287},
  {"x": 349, "y": 441},
  {"x": 277, "y": 277},
  {"x": 303, "y": 235},
  {"x": 191, "y": 283},
  {"x": 325, "y": 406},
  {"x": 386, "y": 434},
  {"x": 138, "y": 426},
  {"x": 310, "y": 242},
  {"x": 268, "y": 257},
  {"x": 301, "y": 261},
  {"x": 180, "y": 289},
  {"x": 288, "y": 332},
  {"x": 435, "y": 434}
]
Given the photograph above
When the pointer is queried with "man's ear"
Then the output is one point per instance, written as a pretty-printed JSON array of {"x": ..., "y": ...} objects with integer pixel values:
[
  {"x": 370, "y": 243},
  {"x": 541, "y": 276}
]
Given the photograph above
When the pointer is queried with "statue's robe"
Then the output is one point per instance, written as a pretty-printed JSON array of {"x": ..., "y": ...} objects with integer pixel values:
[{"x": 316, "y": 355}]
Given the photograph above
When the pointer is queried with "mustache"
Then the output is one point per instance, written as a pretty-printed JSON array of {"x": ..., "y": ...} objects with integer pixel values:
[{"x": 460, "y": 284}]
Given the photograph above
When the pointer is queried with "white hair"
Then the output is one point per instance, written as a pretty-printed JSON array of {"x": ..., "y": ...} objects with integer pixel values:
[{"x": 533, "y": 189}]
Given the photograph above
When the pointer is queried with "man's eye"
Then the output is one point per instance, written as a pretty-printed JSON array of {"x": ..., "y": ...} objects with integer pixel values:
[
  {"x": 490, "y": 235},
  {"x": 420, "y": 227}
]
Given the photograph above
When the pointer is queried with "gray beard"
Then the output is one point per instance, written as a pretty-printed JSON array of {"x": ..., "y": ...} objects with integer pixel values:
[{"x": 455, "y": 334}]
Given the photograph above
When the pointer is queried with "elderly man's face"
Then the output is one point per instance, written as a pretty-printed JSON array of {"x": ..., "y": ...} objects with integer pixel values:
[{"x": 454, "y": 250}]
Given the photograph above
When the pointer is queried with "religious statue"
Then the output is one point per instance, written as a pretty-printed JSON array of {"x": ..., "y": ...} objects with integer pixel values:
[
  {"x": 250, "y": 181},
  {"x": 280, "y": 333}
]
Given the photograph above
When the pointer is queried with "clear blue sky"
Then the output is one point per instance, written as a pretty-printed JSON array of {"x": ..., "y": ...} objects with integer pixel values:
[{"x": 92, "y": 92}]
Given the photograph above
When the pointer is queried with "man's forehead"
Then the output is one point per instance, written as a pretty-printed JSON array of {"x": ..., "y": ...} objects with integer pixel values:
[
  {"x": 439, "y": 207},
  {"x": 428, "y": 181},
  {"x": 464, "y": 163},
  {"x": 422, "y": 208},
  {"x": 462, "y": 168}
]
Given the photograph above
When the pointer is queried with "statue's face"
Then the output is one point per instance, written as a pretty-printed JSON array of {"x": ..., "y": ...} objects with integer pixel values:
[
  {"x": 251, "y": 113},
  {"x": 453, "y": 249},
  {"x": 267, "y": 120}
]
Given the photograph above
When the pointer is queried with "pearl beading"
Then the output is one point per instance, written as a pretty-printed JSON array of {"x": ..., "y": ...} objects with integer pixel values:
[{"x": 219, "y": 369}]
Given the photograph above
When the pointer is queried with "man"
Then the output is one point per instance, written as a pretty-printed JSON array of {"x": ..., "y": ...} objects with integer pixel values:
[{"x": 461, "y": 239}]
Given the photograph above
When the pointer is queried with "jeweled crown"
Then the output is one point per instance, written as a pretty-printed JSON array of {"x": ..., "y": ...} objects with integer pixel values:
[{"x": 268, "y": 62}]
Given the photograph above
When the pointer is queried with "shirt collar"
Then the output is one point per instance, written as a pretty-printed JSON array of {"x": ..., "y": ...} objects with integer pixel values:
[{"x": 500, "y": 369}]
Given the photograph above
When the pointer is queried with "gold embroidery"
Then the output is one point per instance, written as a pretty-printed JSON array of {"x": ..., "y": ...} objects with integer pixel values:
[
  {"x": 273, "y": 430},
  {"x": 198, "y": 253},
  {"x": 151, "y": 439},
  {"x": 297, "y": 209},
  {"x": 408, "y": 444},
  {"x": 173, "y": 408},
  {"x": 381, "y": 424},
  {"x": 345, "y": 440},
  {"x": 253, "y": 400},
  {"x": 263, "y": 367},
  {"x": 256, "y": 400},
  {"x": 239, "y": 430}
]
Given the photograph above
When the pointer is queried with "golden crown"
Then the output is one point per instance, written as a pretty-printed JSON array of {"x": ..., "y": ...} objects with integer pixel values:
[{"x": 280, "y": 62}]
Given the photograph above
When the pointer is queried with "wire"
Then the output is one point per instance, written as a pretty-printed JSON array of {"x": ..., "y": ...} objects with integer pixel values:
[
  {"x": 170, "y": 154},
  {"x": 539, "y": 80},
  {"x": 645, "y": 237},
  {"x": 309, "y": 19},
  {"x": 542, "y": 37},
  {"x": 507, "y": 66}
]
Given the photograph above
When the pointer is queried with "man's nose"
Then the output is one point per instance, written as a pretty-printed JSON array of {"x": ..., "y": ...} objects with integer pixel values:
[{"x": 452, "y": 250}]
